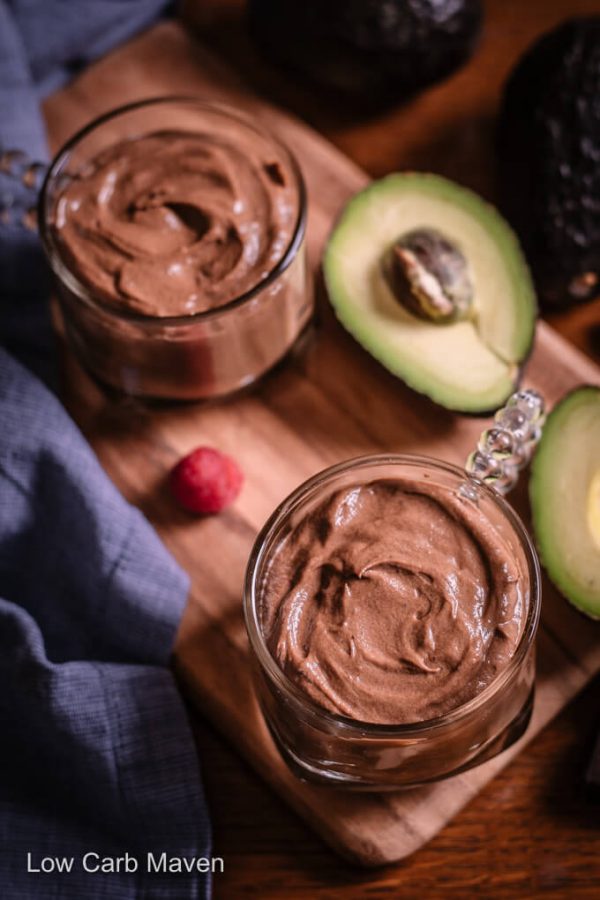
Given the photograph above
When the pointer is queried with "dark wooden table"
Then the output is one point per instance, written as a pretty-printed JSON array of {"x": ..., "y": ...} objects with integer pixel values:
[{"x": 534, "y": 830}]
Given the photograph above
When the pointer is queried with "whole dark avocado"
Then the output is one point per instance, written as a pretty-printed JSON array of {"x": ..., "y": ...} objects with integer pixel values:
[
  {"x": 374, "y": 51},
  {"x": 549, "y": 160}
]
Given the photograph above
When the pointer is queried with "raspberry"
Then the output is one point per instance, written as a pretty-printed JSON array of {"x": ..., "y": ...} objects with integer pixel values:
[{"x": 205, "y": 481}]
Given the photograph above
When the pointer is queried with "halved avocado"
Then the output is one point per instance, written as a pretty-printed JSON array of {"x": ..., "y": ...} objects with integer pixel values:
[
  {"x": 565, "y": 498},
  {"x": 470, "y": 363}
]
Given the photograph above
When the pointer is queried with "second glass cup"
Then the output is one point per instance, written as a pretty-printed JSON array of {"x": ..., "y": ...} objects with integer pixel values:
[
  {"x": 324, "y": 747},
  {"x": 203, "y": 354}
]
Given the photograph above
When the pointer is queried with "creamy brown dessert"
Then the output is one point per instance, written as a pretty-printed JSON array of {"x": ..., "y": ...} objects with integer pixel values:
[
  {"x": 175, "y": 223},
  {"x": 176, "y": 232},
  {"x": 393, "y": 601}
]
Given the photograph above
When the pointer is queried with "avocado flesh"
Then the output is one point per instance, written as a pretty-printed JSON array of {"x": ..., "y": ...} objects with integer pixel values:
[
  {"x": 469, "y": 366},
  {"x": 565, "y": 498}
]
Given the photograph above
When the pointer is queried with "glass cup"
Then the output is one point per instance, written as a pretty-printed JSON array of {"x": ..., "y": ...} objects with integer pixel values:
[
  {"x": 185, "y": 357},
  {"x": 323, "y": 747}
]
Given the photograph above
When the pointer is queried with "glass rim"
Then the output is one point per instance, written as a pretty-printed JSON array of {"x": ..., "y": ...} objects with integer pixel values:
[
  {"x": 85, "y": 294},
  {"x": 357, "y": 727}
]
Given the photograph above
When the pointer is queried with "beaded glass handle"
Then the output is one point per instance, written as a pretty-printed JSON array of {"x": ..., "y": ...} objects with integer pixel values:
[
  {"x": 20, "y": 180},
  {"x": 507, "y": 446}
]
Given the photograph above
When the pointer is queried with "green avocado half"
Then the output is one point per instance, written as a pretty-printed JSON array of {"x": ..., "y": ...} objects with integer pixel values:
[
  {"x": 470, "y": 365},
  {"x": 565, "y": 498}
]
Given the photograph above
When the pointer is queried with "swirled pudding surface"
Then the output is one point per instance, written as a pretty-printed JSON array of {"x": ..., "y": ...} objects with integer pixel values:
[
  {"x": 175, "y": 223},
  {"x": 392, "y": 602}
]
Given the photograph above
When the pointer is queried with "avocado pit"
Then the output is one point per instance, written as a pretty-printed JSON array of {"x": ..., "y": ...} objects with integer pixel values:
[{"x": 429, "y": 276}]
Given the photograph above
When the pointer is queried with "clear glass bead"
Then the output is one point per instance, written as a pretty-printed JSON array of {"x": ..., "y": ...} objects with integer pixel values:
[
  {"x": 529, "y": 402},
  {"x": 514, "y": 420},
  {"x": 483, "y": 466},
  {"x": 13, "y": 161},
  {"x": 34, "y": 175},
  {"x": 497, "y": 441}
]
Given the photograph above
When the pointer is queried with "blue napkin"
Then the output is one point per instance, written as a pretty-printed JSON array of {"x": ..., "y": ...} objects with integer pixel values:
[{"x": 96, "y": 752}]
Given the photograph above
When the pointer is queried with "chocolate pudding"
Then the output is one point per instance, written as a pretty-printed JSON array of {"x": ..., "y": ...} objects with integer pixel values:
[
  {"x": 176, "y": 231},
  {"x": 393, "y": 601},
  {"x": 175, "y": 223}
]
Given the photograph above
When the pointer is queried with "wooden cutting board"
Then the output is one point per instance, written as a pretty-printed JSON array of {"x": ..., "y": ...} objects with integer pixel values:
[{"x": 329, "y": 403}]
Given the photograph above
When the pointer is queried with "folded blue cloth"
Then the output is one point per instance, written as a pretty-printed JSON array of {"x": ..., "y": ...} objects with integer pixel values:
[{"x": 96, "y": 752}]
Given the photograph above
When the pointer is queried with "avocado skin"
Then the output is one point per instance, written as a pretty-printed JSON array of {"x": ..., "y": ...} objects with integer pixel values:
[
  {"x": 549, "y": 160},
  {"x": 372, "y": 51}
]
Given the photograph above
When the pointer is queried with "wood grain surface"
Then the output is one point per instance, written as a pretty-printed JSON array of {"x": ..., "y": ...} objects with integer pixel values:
[{"x": 283, "y": 406}]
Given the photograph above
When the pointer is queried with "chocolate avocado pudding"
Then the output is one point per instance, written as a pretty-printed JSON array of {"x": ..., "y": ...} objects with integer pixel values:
[
  {"x": 175, "y": 223},
  {"x": 176, "y": 231},
  {"x": 392, "y": 602}
]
